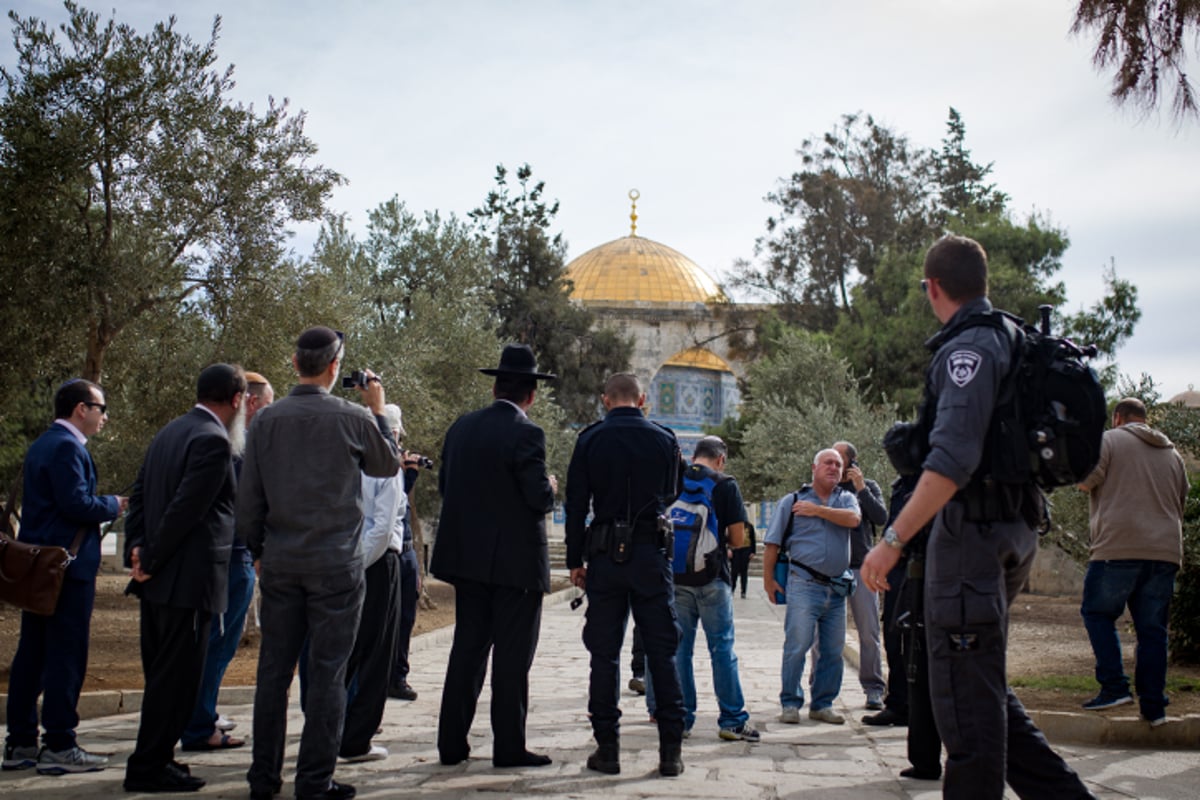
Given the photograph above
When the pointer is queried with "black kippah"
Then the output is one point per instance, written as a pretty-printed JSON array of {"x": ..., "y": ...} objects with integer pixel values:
[{"x": 316, "y": 338}]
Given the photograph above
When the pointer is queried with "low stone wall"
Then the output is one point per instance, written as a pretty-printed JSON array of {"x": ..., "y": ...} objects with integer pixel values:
[{"x": 1055, "y": 574}]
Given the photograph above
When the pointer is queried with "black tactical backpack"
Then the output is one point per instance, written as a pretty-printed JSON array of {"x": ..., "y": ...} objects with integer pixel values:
[{"x": 1050, "y": 414}]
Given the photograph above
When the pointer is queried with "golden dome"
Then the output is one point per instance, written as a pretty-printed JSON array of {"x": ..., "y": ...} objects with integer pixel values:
[
  {"x": 698, "y": 358},
  {"x": 635, "y": 270}
]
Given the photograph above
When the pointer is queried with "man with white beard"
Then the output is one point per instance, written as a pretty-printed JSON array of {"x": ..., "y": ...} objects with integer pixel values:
[
  {"x": 178, "y": 538},
  {"x": 207, "y": 730}
]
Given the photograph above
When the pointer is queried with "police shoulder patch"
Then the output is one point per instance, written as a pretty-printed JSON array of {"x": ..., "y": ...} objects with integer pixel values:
[{"x": 963, "y": 365}]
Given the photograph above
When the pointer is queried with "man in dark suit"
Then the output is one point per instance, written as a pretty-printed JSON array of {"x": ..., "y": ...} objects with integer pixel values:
[
  {"x": 60, "y": 508},
  {"x": 178, "y": 541},
  {"x": 491, "y": 545}
]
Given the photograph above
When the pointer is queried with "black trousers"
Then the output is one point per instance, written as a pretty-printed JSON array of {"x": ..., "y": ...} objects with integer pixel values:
[
  {"x": 740, "y": 566},
  {"x": 174, "y": 646},
  {"x": 370, "y": 661},
  {"x": 504, "y": 621},
  {"x": 897, "y": 680},
  {"x": 410, "y": 576},
  {"x": 643, "y": 585}
]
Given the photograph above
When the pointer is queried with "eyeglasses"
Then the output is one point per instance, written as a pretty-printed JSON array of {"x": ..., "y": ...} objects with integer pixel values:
[
  {"x": 102, "y": 406},
  {"x": 924, "y": 287}
]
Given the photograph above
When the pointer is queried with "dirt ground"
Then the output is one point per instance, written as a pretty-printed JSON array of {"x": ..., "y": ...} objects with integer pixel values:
[{"x": 1046, "y": 638}]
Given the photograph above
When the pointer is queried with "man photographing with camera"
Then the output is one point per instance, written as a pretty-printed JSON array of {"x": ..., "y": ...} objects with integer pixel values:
[{"x": 298, "y": 511}]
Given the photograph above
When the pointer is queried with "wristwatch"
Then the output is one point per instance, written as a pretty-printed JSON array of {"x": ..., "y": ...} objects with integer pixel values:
[{"x": 891, "y": 539}]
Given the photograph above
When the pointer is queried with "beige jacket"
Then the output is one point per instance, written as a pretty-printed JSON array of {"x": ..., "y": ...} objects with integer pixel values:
[{"x": 1138, "y": 491}]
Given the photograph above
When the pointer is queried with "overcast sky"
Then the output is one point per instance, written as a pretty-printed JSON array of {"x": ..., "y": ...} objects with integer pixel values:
[{"x": 702, "y": 105}]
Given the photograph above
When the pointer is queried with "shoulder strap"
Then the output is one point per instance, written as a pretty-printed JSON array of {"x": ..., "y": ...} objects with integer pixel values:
[
  {"x": 75, "y": 545},
  {"x": 788, "y": 530},
  {"x": 10, "y": 505}
]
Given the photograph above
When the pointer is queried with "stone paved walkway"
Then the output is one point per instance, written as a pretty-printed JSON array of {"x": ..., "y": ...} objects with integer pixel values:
[{"x": 792, "y": 761}]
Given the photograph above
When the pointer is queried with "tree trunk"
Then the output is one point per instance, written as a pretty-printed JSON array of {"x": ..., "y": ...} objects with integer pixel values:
[{"x": 425, "y": 601}]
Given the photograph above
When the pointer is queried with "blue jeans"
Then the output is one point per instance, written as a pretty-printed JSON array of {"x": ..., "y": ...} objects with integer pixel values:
[
  {"x": 1146, "y": 588},
  {"x": 712, "y": 607},
  {"x": 223, "y": 642},
  {"x": 812, "y": 608}
]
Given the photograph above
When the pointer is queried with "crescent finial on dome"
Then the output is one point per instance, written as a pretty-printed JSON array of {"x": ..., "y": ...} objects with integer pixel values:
[{"x": 634, "y": 194}]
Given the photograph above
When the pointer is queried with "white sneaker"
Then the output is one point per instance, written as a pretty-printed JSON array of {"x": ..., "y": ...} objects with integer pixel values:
[
  {"x": 790, "y": 715},
  {"x": 376, "y": 753},
  {"x": 826, "y": 715},
  {"x": 1154, "y": 723},
  {"x": 60, "y": 762},
  {"x": 224, "y": 723}
]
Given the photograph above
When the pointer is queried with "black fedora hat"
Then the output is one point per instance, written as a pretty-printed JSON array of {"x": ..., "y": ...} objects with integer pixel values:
[{"x": 518, "y": 360}]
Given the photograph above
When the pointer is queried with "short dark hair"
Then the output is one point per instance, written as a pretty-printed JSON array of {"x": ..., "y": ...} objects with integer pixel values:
[
  {"x": 1131, "y": 408},
  {"x": 959, "y": 265},
  {"x": 711, "y": 447},
  {"x": 851, "y": 450},
  {"x": 514, "y": 388},
  {"x": 316, "y": 349},
  {"x": 71, "y": 394},
  {"x": 220, "y": 383},
  {"x": 623, "y": 386}
]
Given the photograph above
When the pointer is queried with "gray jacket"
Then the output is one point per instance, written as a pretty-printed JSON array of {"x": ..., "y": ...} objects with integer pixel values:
[{"x": 299, "y": 505}]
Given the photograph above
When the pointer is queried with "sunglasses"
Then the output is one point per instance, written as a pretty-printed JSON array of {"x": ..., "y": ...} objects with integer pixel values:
[{"x": 102, "y": 406}]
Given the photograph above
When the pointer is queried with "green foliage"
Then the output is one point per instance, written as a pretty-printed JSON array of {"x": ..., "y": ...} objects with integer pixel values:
[
  {"x": 530, "y": 295},
  {"x": 801, "y": 399},
  {"x": 1144, "y": 42},
  {"x": 863, "y": 190},
  {"x": 143, "y": 223},
  {"x": 846, "y": 250},
  {"x": 1185, "y": 605},
  {"x": 1070, "y": 527}
]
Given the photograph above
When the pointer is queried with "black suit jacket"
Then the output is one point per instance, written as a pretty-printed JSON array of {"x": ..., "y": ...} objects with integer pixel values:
[
  {"x": 181, "y": 514},
  {"x": 495, "y": 497}
]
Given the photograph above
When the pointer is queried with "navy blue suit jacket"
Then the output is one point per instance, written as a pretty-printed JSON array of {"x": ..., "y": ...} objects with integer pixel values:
[
  {"x": 60, "y": 496},
  {"x": 181, "y": 515}
]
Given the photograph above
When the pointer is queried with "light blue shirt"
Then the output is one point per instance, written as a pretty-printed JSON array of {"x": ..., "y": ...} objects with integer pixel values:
[{"x": 814, "y": 542}]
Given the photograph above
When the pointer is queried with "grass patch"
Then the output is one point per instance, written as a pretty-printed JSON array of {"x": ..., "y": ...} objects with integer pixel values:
[{"x": 1086, "y": 683}]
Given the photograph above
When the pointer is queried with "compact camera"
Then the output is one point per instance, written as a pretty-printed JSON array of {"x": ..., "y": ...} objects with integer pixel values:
[{"x": 355, "y": 379}]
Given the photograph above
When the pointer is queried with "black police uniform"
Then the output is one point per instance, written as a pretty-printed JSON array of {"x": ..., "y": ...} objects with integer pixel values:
[
  {"x": 974, "y": 570},
  {"x": 627, "y": 469}
]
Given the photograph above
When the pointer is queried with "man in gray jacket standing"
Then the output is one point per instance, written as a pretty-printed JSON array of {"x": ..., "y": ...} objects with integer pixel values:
[
  {"x": 1138, "y": 491},
  {"x": 298, "y": 509}
]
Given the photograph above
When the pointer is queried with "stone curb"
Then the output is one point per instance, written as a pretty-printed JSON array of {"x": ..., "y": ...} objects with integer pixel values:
[{"x": 93, "y": 705}]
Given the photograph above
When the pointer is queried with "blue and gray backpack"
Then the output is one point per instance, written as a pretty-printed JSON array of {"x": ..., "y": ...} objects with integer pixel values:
[{"x": 695, "y": 559}]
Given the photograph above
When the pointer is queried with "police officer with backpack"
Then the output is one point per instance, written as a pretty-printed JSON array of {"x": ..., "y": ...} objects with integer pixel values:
[
  {"x": 712, "y": 501},
  {"x": 627, "y": 471},
  {"x": 980, "y": 548}
]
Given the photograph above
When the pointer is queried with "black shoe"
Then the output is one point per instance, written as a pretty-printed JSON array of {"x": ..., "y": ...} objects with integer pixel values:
[
  {"x": 264, "y": 794},
  {"x": 450, "y": 759},
  {"x": 670, "y": 760},
  {"x": 526, "y": 759},
  {"x": 606, "y": 759},
  {"x": 402, "y": 691},
  {"x": 887, "y": 717},
  {"x": 166, "y": 779},
  {"x": 336, "y": 791},
  {"x": 921, "y": 774}
]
